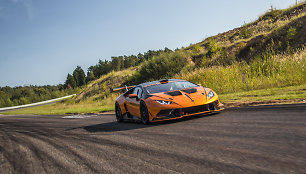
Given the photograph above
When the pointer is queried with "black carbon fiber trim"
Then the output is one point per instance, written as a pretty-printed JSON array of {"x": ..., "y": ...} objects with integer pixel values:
[
  {"x": 189, "y": 91},
  {"x": 174, "y": 93},
  {"x": 170, "y": 113}
]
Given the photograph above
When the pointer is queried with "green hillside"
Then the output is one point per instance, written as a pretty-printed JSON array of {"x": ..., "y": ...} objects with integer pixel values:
[{"x": 268, "y": 53}]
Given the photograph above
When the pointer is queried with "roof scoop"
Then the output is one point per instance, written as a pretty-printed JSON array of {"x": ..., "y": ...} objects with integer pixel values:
[{"x": 164, "y": 81}]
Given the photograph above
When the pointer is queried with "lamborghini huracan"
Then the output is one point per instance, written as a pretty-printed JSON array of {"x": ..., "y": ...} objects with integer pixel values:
[{"x": 165, "y": 100}]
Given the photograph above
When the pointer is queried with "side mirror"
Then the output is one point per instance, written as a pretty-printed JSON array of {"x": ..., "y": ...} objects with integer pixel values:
[{"x": 133, "y": 96}]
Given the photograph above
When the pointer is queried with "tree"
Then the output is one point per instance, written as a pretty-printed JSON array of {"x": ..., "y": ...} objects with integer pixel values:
[
  {"x": 79, "y": 76},
  {"x": 70, "y": 82},
  {"x": 90, "y": 76},
  {"x": 8, "y": 102},
  {"x": 130, "y": 61},
  {"x": 75, "y": 74},
  {"x": 167, "y": 50},
  {"x": 140, "y": 58},
  {"x": 117, "y": 63}
]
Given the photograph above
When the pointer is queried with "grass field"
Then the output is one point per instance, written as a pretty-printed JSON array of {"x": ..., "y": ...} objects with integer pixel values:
[
  {"x": 68, "y": 106},
  {"x": 292, "y": 94},
  {"x": 273, "y": 72}
]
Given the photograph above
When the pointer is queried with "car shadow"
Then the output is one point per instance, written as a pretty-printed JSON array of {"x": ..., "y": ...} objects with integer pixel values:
[{"x": 132, "y": 125}]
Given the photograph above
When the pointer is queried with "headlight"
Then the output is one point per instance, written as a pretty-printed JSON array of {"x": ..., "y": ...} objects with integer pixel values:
[
  {"x": 210, "y": 94},
  {"x": 163, "y": 102}
]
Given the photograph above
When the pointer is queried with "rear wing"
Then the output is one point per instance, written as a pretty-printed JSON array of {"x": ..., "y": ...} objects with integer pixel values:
[{"x": 125, "y": 87}]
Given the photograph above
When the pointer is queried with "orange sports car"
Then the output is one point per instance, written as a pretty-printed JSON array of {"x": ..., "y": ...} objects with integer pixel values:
[{"x": 165, "y": 100}]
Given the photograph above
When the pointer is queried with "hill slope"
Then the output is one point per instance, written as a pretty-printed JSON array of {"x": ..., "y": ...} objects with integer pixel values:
[{"x": 264, "y": 51}]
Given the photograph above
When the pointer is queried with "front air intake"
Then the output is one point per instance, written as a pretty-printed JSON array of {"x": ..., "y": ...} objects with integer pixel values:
[{"x": 213, "y": 106}]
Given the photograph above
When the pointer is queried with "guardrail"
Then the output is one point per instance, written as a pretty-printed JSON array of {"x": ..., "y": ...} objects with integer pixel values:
[{"x": 35, "y": 104}]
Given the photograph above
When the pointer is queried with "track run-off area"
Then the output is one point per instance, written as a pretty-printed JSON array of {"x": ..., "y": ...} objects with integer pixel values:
[{"x": 263, "y": 139}]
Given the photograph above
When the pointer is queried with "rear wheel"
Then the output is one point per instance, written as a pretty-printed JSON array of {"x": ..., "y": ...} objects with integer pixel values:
[
  {"x": 144, "y": 113},
  {"x": 119, "y": 116}
]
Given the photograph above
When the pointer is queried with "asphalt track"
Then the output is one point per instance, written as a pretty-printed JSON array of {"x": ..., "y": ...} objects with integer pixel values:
[{"x": 266, "y": 139}]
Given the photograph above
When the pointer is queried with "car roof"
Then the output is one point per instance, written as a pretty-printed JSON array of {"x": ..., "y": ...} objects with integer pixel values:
[{"x": 158, "y": 82}]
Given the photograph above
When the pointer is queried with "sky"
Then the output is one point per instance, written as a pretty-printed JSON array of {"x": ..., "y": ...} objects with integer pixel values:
[{"x": 41, "y": 41}]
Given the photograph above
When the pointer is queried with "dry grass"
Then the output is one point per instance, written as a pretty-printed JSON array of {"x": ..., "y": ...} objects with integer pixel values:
[
  {"x": 252, "y": 30},
  {"x": 68, "y": 107},
  {"x": 278, "y": 71},
  {"x": 100, "y": 88}
]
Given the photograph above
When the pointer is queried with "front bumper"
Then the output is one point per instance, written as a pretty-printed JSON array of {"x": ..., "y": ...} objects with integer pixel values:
[{"x": 170, "y": 114}]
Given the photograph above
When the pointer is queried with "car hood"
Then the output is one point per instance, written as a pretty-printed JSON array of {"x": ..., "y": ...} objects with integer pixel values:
[{"x": 184, "y": 98}]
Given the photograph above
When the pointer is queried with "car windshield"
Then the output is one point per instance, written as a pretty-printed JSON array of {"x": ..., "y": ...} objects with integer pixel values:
[{"x": 170, "y": 86}]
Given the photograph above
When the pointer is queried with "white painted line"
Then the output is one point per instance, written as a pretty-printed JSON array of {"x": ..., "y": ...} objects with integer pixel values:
[
  {"x": 79, "y": 116},
  {"x": 38, "y": 103}
]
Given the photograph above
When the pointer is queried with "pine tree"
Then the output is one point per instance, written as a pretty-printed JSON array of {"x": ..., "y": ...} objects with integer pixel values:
[
  {"x": 76, "y": 76},
  {"x": 79, "y": 76},
  {"x": 70, "y": 82}
]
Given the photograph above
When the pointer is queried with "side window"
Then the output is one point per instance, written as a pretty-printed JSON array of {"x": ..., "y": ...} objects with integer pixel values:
[
  {"x": 140, "y": 93},
  {"x": 136, "y": 91}
]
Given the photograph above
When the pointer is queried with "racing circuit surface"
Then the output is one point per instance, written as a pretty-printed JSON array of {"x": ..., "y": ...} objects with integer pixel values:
[{"x": 265, "y": 139}]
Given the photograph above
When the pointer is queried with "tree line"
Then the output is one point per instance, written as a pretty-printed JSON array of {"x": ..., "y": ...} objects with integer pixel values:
[
  {"x": 20, "y": 95},
  {"x": 30, "y": 94},
  {"x": 78, "y": 77}
]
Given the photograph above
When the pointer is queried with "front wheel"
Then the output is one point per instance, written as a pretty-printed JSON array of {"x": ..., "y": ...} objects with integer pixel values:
[
  {"x": 119, "y": 115},
  {"x": 144, "y": 113}
]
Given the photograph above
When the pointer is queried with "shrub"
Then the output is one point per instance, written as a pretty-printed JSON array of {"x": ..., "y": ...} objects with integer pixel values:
[
  {"x": 251, "y": 49},
  {"x": 271, "y": 15},
  {"x": 162, "y": 66},
  {"x": 245, "y": 33},
  {"x": 291, "y": 33},
  {"x": 213, "y": 48},
  {"x": 196, "y": 48}
]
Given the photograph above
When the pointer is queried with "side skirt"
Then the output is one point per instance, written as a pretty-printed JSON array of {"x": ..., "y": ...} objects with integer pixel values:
[{"x": 129, "y": 117}]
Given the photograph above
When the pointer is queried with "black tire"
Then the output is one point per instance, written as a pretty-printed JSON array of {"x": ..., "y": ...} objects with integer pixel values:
[
  {"x": 119, "y": 115},
  {"x": 144, "y": 113}
]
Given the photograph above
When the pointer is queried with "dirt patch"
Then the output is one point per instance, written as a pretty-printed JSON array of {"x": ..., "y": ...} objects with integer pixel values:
[{"x": 107, "y": 113}]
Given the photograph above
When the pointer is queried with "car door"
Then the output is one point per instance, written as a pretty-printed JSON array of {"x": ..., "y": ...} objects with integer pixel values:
[{"x": 134, "y": 103}]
